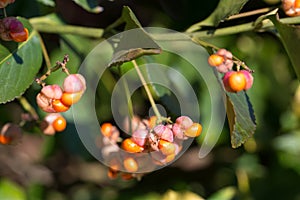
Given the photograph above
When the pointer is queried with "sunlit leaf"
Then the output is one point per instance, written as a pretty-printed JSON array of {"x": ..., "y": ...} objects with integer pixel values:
[
  {"x": 240, "y": 115},
  {"x": 90, "y": 5},
  {"x": 290, "y": 35},
  {"x": 19, "y": 64},
  {"x": 186, "y": 195},
  {"x": 47, "y": 2},
  {"x": 226, "y": 193},
  {"x": 241, "y": 118},
  {"x": 9, "y": 190},
  {"x": 225, "y": 9}
]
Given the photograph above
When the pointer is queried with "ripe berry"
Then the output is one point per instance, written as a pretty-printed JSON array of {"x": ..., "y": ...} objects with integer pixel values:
[
  {"x": 45, "y": 98},
  {"x": 130, "y": 164},
  {"x": 167, "y": 148},
  {"x": 74, "y": 83},
  {"x": 130, "y": 146},
  {"x": 164, "y": 132},
  {"x": 52, "y": 91},
  {"x": 12, "y": 24},
  {"x": 110, "y": 132},
  {"x": 215, "y": 60},
  {"x": 10, "y": 134},
  {"x": 21, "y": 36},
  {"x": 194, "y": 130},
  {"x": 139, "y": 137},
  {"x": 59, "y": 124},
  {"x": 4, "y": 140},
  {"x": 107, "y": 129},
  {"x": 44, "y": 103},
  {"x": 222, "y": 60},
  {"x": 291, "y": 7},
  {"x": 234, "y": 81},
  {"x": 112, "y": 174},
  {"x": 52, "y": 123},
  {"x": 58, "y": 106},
  {"x": 182, "y": 123},
  {"x": 70, "y": 98},
  {"x": 297, "y": 4},
  {"x": 249, "y": 79}
]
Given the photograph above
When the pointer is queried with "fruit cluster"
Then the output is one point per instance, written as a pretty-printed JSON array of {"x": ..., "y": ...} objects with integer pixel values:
[
  {"x": 52, "y": 123},
  {"x": 53, "y": 99},
  {"x": 234, "y": 81},
  {"x": 163, "y": 140},
  {"x": 291, "y": 7}
]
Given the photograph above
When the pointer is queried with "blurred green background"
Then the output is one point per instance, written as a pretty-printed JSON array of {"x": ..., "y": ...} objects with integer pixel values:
[{"x": 59, "y": 167}]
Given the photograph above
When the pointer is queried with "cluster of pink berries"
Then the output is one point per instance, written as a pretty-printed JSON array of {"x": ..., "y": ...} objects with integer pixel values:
[
  {"x": 162, "y": 139},
  {"x": 53, "y": 99},
  {"x": 234, "y": 81}
]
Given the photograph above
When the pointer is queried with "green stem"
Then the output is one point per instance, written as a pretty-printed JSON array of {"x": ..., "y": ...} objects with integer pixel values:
[
  {"x": 44, "y": 26},
  {"x": 4, "y": 13},
  {"x": 58, "y": 65},
  {"x": 45, "y": 53},
  {"x": 130, "y": 106},
  {"x": 242, "y": 28},
  {"x": 150, "y": 97},
  {"x": 27, "y": 106}
]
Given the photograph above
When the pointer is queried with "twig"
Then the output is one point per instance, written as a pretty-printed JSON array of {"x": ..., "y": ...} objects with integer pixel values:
[{"x": 58, "y": 65}]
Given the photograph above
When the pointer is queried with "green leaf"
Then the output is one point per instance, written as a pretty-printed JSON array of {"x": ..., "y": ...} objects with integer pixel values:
[
  {"x": 123, "y": 56},
  {"x": 19, "y": 64},
  {"x": 90, "y": 5},
  {"x": 47, "y": 2},
  {"x": 226, "y": 193},
  {"x": 290, "y": 36},
  {"x": 241, "y": 118},
  {"x": 9, "y": 190},
  {"x": 127, "y": 17},
  {"x": 240, "y": 115},
  {"x": 134, "y": 42},
  {"x": 225, "y": 9}
]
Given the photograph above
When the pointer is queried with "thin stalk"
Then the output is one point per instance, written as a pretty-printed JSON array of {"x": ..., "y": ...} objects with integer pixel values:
[
  {"x": 265, "y": 24},
  {"x": 150, "y": 97},
  {"x": 4, "y": 12},
  {"x": 250, "y": 13},
  {"x": 45, "y": 53},
  {"x": 27, "y": 106},
  {"x": 41, "y": 25},
  {"x": 127, "y": 93}
]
